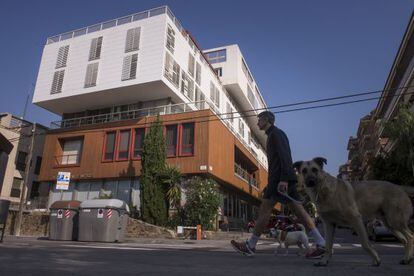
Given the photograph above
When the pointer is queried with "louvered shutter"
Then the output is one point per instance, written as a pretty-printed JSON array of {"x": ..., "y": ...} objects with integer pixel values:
[
  {"x": 133, "y": 71},
  {"x": 129, "y": 68},
  {"x": 57, "y": 82},
  {"x": 91, "y": 74},
  {"x": 95, "y": 50},
  {"x": 62, "y": 56},
  {"x": 132, "y": 40},
  {"x": 126, "y": 68}
]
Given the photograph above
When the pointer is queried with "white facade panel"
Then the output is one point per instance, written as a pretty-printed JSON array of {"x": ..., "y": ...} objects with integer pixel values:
[{"x": 149, "y": 66}]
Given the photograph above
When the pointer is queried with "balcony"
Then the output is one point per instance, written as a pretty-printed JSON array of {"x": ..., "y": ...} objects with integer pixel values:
[
  {"x": 129, "y": 115},
  {"x": 245, "y": 176}
]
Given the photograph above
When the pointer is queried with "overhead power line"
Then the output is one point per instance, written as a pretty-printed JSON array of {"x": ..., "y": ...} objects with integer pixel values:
[{"x": 226, "y": 116}]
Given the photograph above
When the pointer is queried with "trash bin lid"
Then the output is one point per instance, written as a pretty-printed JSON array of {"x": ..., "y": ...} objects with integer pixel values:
[
  {"x": 104, "y": 203},
  {"x": 66, "y": 204}
]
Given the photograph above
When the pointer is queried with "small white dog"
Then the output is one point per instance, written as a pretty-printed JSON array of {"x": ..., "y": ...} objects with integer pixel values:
[{"x": 287, "y": 239}]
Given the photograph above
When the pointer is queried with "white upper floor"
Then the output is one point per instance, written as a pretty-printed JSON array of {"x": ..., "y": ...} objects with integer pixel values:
[{"x": 146, "y": 57}]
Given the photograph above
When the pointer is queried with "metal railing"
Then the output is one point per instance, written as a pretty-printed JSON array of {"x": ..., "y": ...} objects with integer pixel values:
[
  {"x": 129, "y": 115},
  {"x": 113, "y": 23},
  {"x": 152, "y": 111},
  {"x": 67, "y": 159},
  {"x": 245, "y": 175}
]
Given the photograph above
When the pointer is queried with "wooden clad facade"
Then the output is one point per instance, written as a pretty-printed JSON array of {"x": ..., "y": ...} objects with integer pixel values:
[{"x": 213, "y": 153}]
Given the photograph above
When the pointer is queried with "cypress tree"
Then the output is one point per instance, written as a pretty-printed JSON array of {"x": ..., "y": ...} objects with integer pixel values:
[{"x": 153, "y": 203}]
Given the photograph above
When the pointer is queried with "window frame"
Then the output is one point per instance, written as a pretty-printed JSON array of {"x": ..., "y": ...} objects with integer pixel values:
[
  {"x": 62, "y": 140},
  {"x": 132, "y": 150},
  {"x": 118, "y": 143},
  {"x": 181, "y": 127},
  {"x": 104, "y": 160},
  {"x": 177, "y": 136}
]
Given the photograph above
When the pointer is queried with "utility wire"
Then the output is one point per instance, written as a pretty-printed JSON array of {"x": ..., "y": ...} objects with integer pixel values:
[{"x": 220, "y": 115}]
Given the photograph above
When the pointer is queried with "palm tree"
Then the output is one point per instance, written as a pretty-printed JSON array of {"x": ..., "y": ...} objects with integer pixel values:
[{"x": 172, "y": 177}]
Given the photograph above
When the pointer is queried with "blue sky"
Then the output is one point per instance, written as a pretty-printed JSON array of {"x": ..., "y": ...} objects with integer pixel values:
[{"x": 296, "y": 50}]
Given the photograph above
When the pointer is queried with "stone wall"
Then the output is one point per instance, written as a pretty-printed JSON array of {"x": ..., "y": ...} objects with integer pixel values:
[
  {"x": 33, "y": 223},
  {"x": 139, "y": 229},
  {"x": 37, "y": 224}
]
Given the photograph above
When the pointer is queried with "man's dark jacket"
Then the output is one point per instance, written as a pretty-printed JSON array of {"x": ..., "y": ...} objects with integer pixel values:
[{"x": 279, "y": 158}]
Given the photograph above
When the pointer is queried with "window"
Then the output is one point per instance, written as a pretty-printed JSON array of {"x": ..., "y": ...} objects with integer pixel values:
[
  {"x": 91, "y": 74},
  {"x": 95, "y": 50},
  {"x": 187, "y": 139},
  {"x": 251, "y": 97},
  {"x": 172, "y": 70},
  {"x": 57, "y": 82},
  {"x": 185, "y": 84},
  {"x": 123, "y": 145},
  {"x": 129, "y": 68},
  {"x": 241, "y": 128},
  {"x": 214, "y": 94},
  {"x": 170, "y": 39},
  {"x": 132, "y": 40},
  {"x": 198, "y": 74},
  {"x": 21, "y": 161},
  {"x": 34, "y": 192},
  {"x": 246, "y": 71},
  {"x": 16, "y": 186},
  {"x": 199, "y": 98},
  {"x": 191, "y": 64},
  {"x": 229, "y": 112},
  {"x": 171, "y": 140},
  {"x": 139, "y": 135},
  {"x": 38, "y": 165},
  {"x": 190, "y": 92},
  {"x": 62, "y": 56},
  {"x": 216, "y": 56},
  {"x": 109, "y": 150},
  {"x": 219, "y": 71},
  {"x": 71, "y": 151}
]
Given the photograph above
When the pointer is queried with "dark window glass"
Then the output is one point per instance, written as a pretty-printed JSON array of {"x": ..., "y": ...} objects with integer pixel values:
[
  {"x": 187, "y": 140},
  {"x": 171, "y": 140},
  {"x": 38, "y": 165},
  {"x": 21, "y": 161},
  {"x": 123, "y": 146},
  {"x": 138, "y": 142},
  {"x": 35, "y": 190},
  {"x": 110, "y": 146}
]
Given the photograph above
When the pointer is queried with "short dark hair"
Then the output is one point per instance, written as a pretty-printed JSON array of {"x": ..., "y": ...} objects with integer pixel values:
[{"x": 268, "y": 115}]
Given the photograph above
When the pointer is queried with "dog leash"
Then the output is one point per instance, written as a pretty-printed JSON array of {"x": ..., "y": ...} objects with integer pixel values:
[{"x": 285, "y": 194}]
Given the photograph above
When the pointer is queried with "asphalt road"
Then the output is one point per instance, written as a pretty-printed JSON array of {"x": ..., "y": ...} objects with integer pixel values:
[{"x": 29, "y": 256}]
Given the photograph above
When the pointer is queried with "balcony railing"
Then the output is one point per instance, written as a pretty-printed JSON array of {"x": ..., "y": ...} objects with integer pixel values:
[
  {"x": 67, "y": 160},
  {"x": 152, "y": 111},
  {"x": 114, "y": 23},
  {"x": 129, "y": 115},
  {"x": 245, "y": 175}
]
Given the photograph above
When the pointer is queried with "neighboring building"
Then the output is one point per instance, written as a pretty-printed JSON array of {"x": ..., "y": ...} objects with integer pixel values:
[
  {"x": 109, "y": 80},
  {"x": 5, "y": 149},
  {"x": 12, "y": 172},
  {"x": 399, "y": 88}
]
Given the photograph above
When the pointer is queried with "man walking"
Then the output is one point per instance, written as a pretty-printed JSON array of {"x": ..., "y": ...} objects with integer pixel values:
[{"x": 281, "y": 187}]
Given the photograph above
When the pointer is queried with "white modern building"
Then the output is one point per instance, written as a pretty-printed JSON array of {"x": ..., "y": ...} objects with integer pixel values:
[{"x": 141, "y": 65}]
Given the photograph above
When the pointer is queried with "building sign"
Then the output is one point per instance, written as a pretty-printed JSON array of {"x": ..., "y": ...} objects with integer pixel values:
[{"x": 63, "y": 180}]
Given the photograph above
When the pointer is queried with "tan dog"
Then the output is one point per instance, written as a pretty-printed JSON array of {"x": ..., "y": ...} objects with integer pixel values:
[{"x": 342, "y": 203}]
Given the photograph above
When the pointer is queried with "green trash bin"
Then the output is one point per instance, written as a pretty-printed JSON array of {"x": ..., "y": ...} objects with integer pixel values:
[
  {"x": 63, "y": 221},
  {"x": 103, "y": 220}
]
